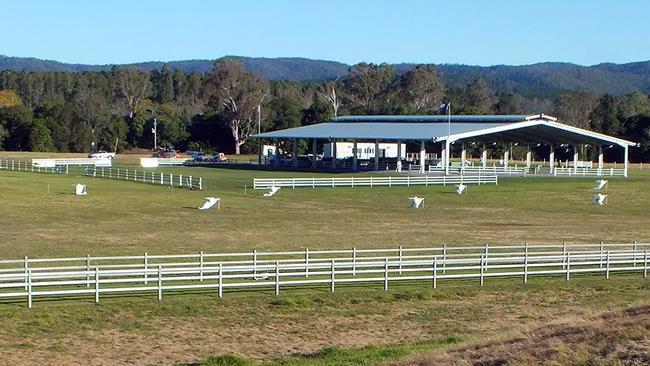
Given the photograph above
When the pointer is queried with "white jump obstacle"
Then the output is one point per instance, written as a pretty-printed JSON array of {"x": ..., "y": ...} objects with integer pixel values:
[
  {"x": 272, "y": 191},
  {"x": 600, "y": 184},
  {"x": 80, "y": 190},
  {"x": 416, "y": 202},
  {"x": 600, "y": 199},
  {"x": 210, "y": 202},
  {"x": 460, "y": 188}
]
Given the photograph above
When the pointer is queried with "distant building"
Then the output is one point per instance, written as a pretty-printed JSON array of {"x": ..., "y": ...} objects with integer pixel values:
[{"x": 365, "y": 150}]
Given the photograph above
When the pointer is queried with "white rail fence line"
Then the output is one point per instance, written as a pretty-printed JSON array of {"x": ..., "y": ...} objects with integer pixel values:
[
  {"x": 24, "y": 166},
  {"x": 263, "y": 183},
  {"x": 589, "y": 172},
  {"x": 155, "y": 162},
  {"x": 165, "y": 179},
  {"x": 282, "y": 269},
  {"x": 501, "y": 170},
  {"x": 102, "y": 162}
]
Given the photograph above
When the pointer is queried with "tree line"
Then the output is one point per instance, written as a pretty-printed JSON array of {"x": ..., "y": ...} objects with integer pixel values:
[{"x": 220, "y": 110}]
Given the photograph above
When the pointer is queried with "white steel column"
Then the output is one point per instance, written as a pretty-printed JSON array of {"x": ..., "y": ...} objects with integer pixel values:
[
  {"x": 506, "y": 154},
  {"x": 295, "y": 153},
  {"x": 551, "y": 159},
  {"x": 313, "y": 153},
  {"x": 354, "y": 155},
  {"x": 575, "y": 159},
  {"x": 447, "y": 162},
  {"x": 484, "y": 156},
  {"x": 625, "y": 158},
  {"x": 529, "y": 156},
  {"x": 333, "y": 154},
  {"x": 443, "y": 154},
  {"x": 601, "y": 157},
  {"x": 376, "y": 155},
  {"x": 463, "y": 155},
  {"x": 423, "y": 153},
  {"x": 399, "y": 150}
]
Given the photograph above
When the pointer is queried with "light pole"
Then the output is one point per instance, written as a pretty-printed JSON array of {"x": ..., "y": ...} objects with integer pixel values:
[{"x": 154, "y": 130}]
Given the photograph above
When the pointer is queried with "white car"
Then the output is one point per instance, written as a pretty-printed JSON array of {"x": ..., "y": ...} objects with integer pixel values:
[{"x": 102, "y": 155}]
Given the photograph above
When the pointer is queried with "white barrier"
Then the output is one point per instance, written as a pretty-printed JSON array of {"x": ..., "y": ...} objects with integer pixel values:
[
  {"x": 24, "y": 166},
  {"x": 265, "y": 183},
  {"x": 156, "y": 162},
  {"x": 49, "y": 277},
  {"x": 49, "y": 163},
  {"x": 165, "y": 179},
  {"x": 589, "y": 172}
]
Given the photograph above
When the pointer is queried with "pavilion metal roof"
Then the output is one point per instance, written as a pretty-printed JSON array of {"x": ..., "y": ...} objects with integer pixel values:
[{"x": 522, "y": 128}]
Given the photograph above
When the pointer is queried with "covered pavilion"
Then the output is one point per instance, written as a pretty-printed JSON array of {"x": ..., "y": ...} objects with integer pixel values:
[{"x": 447, "y": 130}]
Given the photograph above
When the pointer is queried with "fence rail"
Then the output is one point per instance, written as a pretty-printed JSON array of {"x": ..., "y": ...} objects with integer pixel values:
[
  {"x": 27, "y": 279},
  {"x": 263, "y": 183},
  {"x": 101, "y": 162},
  {"x": 25, "y": 166},
  {"x": 589, "y": 172},
  {"x": 165, "y": 179}
]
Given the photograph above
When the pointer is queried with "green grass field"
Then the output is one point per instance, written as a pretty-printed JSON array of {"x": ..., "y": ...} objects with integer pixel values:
[{"x": 365, "y": 325}]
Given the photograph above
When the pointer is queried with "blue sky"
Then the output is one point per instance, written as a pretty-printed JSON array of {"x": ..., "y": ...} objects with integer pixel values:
[{"x": 469, "y": 32}]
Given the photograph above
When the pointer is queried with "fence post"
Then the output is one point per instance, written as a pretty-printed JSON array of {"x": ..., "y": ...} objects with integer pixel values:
[
  {"x": 564, "y": 254},
  {"x": 87, "y": 270},
  {"x": 401, "y": 250},
  {"x": 645, "y": 263},
  {"x": 444, "y": 258},
  {"x": 568, "y": 266},
  {"x": 354, "y": 261},
  {"x": 634, "y": 253},
  {"x": 159, "y": 282},
  {"x": 220, "y": 280},
  {"x": 277, "y": 278},
  {"x": 435, "y": 273},
  {"x": 482, "y": 269},
  {"x": 306, "y": 262},
  {"x": 386, "y": 274},
  {"x": 526, "y": 263},
  {"x": 29, "y": 288},
  {"x": 96, "y": 284},
  {"x": 26, "y": 270},
  {"x": 255, "y": 262},
  {"x": 486, "y": 253},
  {"x": 146, "y": 267},
  {"x": 201, "y": 260},
  {"x": 333, "y": 276},
  {"x": 607, "y": 269},
  {"x": 601, "y": 255}
]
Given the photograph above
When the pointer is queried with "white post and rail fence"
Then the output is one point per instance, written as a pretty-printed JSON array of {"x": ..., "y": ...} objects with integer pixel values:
[
  {"x": 390, "y": 181},
  {"x": 165, "y": 179},
  {"x": 28, "y": 279}
]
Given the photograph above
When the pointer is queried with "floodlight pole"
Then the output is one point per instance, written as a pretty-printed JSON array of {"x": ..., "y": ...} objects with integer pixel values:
[
  {"x": 155, "y": 133},
  {"x": 259, "y": 130}
]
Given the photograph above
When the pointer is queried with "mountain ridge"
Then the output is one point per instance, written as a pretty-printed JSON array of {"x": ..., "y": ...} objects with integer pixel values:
[{"x": 538, "y": 79}]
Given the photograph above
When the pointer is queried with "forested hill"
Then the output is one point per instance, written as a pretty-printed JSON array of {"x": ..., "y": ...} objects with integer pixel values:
[{"x": 542, "y": 79}]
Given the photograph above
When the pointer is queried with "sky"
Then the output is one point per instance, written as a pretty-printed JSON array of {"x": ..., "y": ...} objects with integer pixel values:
[{"x": 350, "y": 31}]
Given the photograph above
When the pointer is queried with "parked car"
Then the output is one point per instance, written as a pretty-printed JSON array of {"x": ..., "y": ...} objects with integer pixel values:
[{"x": 102, "y": 155}]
